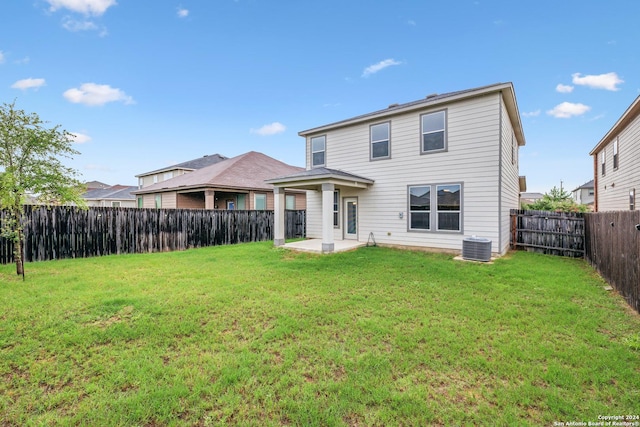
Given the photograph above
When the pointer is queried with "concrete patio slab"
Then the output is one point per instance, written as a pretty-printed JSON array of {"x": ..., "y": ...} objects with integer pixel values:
[{"x": 315, "y": 245}]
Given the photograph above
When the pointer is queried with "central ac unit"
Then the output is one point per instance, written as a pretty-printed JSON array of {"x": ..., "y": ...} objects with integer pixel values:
[{"x": 476, "y": 249}]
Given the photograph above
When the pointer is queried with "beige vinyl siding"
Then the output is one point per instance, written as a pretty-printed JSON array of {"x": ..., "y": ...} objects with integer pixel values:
[
  {"x": 613, "y": 188},
  {"x": 148, "y": 201},
  {"x": 169, "y": 200},
  {"x": 510, "y": 183},
  {"x": 472, "y": 159}
]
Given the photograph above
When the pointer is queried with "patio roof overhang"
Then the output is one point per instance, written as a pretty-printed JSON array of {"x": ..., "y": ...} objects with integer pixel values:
[{"x": 314, "y": 178}]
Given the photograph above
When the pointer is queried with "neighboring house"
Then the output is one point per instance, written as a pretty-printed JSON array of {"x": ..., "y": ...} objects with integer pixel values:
[
  {"x": 584, "y": 194},
  {"x": 236, "y": 183},
  {"x": 116, "y": 196},
  {"x": 95, "y": 185},
  {"x": 530, "y": 198},
  {"x": 616, "y": 163},
  {"x": 426, "y": 173},
  {"x": 149, "y": 178}
]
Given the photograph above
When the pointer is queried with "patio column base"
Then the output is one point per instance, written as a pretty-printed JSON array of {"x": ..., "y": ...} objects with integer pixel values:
[
  {"x": 328, "y": 247},
  {"x": 278, "y": 242}
]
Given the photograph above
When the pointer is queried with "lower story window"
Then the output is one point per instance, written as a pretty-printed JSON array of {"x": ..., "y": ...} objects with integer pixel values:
[
  {"x": 140, "y": 202},
  {"x": 449, "y": 207},
  {"x": 435, "y": 207},
  {"x": 260, "y": 202},
  {"x": 290, "y": 202},
  {"x": 420, "y": 207},
  {"x": 632, "y": 199},
  {"x": 336, "y": 208},
  {"x": 158, "y": 200}
]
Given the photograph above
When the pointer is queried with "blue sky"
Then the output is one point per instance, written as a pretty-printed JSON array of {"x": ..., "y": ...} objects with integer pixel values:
[{"x": 145, "y": 84}]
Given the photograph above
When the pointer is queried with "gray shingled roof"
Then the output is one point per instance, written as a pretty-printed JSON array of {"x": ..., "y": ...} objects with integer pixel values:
[
  {"x": 429, "y": 99},
  {"x": 320, "y": 172},
  {"x": 199, "y": 163},
  {"x": 116, "y": 192},
  {"x": 246, "y": 171},
  {"x": 589, "y": 184}
]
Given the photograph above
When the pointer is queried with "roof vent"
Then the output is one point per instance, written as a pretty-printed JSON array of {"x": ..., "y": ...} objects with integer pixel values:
[
  {"x": 393, "y": 105},
  {"x": 433, "y": 95}
]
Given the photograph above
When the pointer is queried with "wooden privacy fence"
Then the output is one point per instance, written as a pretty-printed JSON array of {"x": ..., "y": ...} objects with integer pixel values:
[
  {"x": 553, "y": 233},
  {"x": 68, "y": 232},
  {"x": 613, "y": 249},
  {"x": 609, "y": 241}
]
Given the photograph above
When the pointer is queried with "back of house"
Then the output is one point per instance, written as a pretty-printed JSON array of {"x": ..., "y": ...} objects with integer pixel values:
[{"x": 426, "y": 173}]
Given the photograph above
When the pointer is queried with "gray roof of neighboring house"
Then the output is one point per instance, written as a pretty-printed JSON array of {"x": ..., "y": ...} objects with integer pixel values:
[
  {"x": 115, "y": 192},
  {"x": 93, "y": 185},
  {"x": 199, "y": 163},
  {"x": 246, "y": 171},
  {"x": 589, "y": 184},
  {"x": 435, "y": 99}
]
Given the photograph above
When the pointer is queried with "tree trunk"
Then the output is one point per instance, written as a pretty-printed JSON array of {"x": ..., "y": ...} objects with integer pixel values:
[{"x": 18, "y": 255}]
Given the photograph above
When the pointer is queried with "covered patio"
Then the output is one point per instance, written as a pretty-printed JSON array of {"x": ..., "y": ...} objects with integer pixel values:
[
  {"x": 317, "y": 179},
  {"x": 315, "y": 245}
]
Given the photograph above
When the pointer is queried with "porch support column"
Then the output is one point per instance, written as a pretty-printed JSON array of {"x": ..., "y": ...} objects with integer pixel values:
[
  {"x": 279, "y": 216},
  {"x": 327, "y": 217},
  {"x": 209, "y": 199}
]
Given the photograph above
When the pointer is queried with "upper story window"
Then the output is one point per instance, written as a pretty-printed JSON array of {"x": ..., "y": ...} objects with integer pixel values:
[
  {"x": 379, "y": 136},
  {"x": 167, "y": 175},
  {"x": 155, "y": 179},
  {"x": 434, "y": 132},
  {"x": 318, "y": 150},
  {"x": 602, "y": 161},
  {"x": 615, "y": 154}
]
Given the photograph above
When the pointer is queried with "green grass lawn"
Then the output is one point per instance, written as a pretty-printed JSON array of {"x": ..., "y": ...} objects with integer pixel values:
[{"x": 254, "y": 335}]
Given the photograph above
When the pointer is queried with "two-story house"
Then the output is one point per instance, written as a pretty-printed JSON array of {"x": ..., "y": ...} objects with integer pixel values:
[
  {"x": 425, "y": 174},
  {"x": 228, "y": 184},
  {"x": 616, "y": 163}
]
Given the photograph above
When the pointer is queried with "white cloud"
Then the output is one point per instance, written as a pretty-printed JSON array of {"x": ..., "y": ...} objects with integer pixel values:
[
  {"x": 96, "y": 167},
  {"x": 72, "y": 25},
  {"x": 29, "y": 83},
  {"x": 411, "y": 22},
  {"x": 1, "y": 57},
  {"x": 86, "y": 7},
  {"x": 95, "y": 94},
  {"x": 564, "y": 88},
  {"x": 22, "y": 61},
  {"x": 531, "y": 114},
  {"x": 568, "y": 109},
  {"x": 270, "y": 129},
  {"x": 608, "y": 81},
  {"x": 79, "y": 138},
  {"x": 372, "y": 69},
  {"x": 183, "y": 13}
]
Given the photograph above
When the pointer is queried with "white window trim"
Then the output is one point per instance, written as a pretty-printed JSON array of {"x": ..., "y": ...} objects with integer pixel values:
[{"x": 616, "y": 157}]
